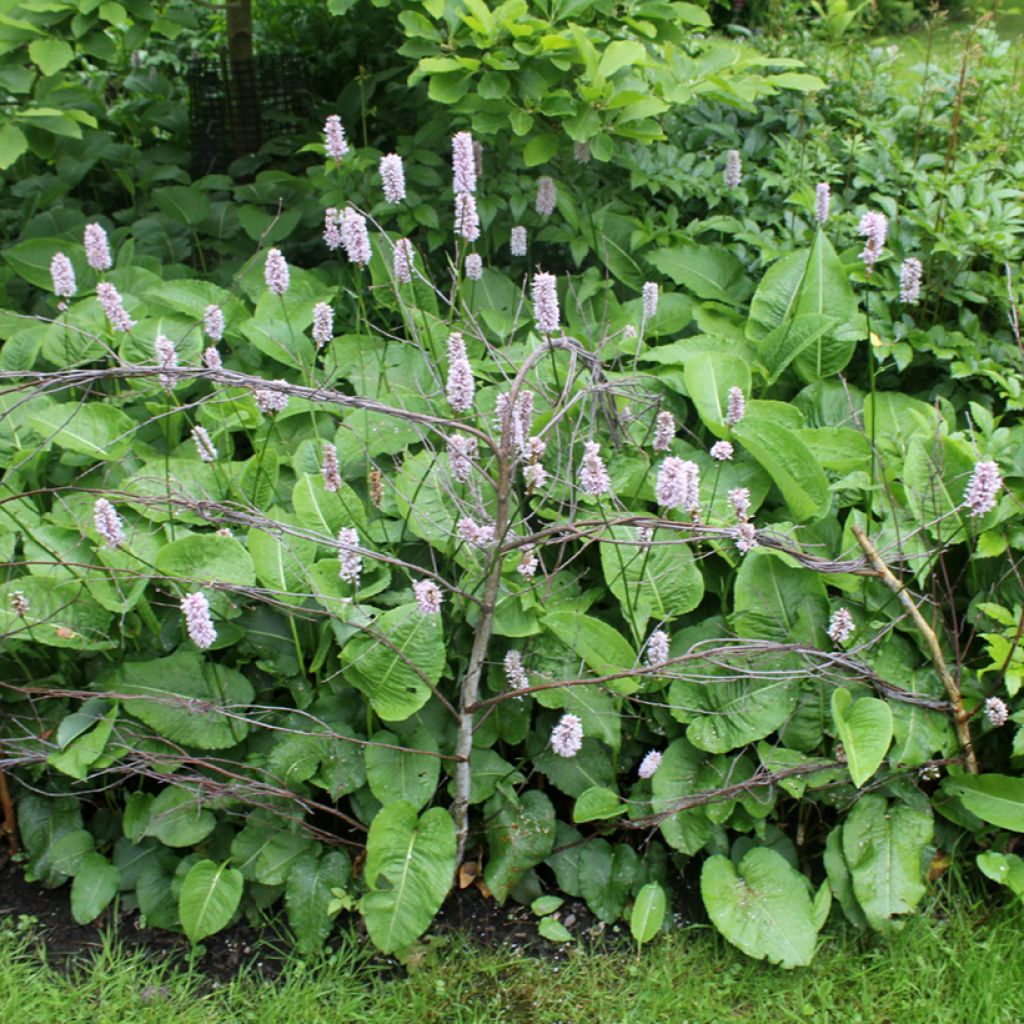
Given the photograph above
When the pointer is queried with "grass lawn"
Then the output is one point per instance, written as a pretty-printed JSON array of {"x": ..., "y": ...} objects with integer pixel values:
[{"x": 966, "y": 966}]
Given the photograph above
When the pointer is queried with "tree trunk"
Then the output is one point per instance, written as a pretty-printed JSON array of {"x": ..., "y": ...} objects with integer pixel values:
[{"x": 243, "y": 96}]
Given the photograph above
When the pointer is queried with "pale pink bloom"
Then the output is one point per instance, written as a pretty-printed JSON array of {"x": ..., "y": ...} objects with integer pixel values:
[
  {"x": 545, "y": 303},
  {"x": 650, "y": 764},
  {"x": 62, "y": 274},
  {"x": 629, "y": 332},
  {"x": 19, "y": 603},
  {"x": 528, "y": 562},
  {"x": 983, "y": 487},
  {"x": 517, "y": 241},
  {"x": 198, "y": 621},
  {"x": 204, "y": 446},
  {"x": 664, "y": 431},
  {"x": 567, "y": 736},
  {"x": 329, "y": 468},
  {"x": 535, "y": 476},
  {"x": 401, "y": 260},
  {"x": 392, "y": 176},
  {"x": 657, "y": 648},
  {"x": 332, "y": 229},
  {"x": 461, "y": 386},
  {"x": 581, "y": 152},
  {"x": 722, "y": 451},
  {"x": 462, "y": 451},
  {"x": 213, "y": 322},
  {"x": 535, "y": 447},
  {"x": 515, "y": 675},
  {"x": 733, "y": 174},
  {"x": 166, "y": 358},
  {"x": 822, "y": 202},
  {"x": 350, "y": 562},
  {"x": 594, "y": 479},
  {"x": 474, "y": 266},
  {"x": 478, "y": 535},
  {"x": 678, "y": 484},
  {"x": 644, "y": 535},
  {"x": 463, "y": 163},
  {"x": 874, "y": 227},
  {"x": 910, "y": 280},
  {"x": 467, "y": 220},
  {"x": 354, "y": 237},
  {"x": 547, "y": 196},
  {"x": 650, "y": 299},
  {"x": 335, "y": 142},
  {"x": 211, "y": 359},
  {"x": 269, "y": 401},
  {"x": 736, "y": 407},
  {"x": 521, "y": 422},
  {"x": 840, "y": 626},
  {"x": 739, "y": 498},
  {"x": 996, "y": 711},
  {"x": 323, "y": 323},
  {"x": 428, "y": 597},
  {"x": 110, "y": 299},
  {"x": 108, "y": 523},
  {"x": 97, "y": 248},
  {"x": 275, "y": 272},
  {"x": 746, "y": 537}
]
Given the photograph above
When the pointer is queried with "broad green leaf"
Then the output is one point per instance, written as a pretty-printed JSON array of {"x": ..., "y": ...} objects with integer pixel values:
[
  {"x": 51, "y": 56},
  {"x": 264, "y": 853},
  {"x": 648, "y": 913},
  {"x": 791, "y": 338},
  {"x": 705, "y": 271},
  {"x": 283, "y": 563},
  {"x": 62, "y": 859},
  {"x": 79, "y": 755},
  {"x": 60, "y": 614},
  {"x": 539, "y": 150},
  {"x": 207, "y": 558},
  {"x": 95, "y": 885},
  {"x": 186, "y": 205},
  {"x": 709, "y": 376},
  {"x": 607, "y": 874},
  {"x": 325, "y": 511},
  {"x": 100, "y": 431},
  {"x": 865, "y": 730},
  {"x": 597, "y": 803},
  {"x": 395, "y": 663},
  {"x": 936, "y": 472},
  {"x": 185, "y": 698},
  {"x": 519, "y": 836},
  {"x": 777, "y": 601},
  {"x": 12, "y": 145},
  {"x": 620, "y": 54},
  {"x": 840, "y": 879},
  {"x": 177, "y": 817},
  {"x": 209, "y": 898},
  {"x": 553, "y": 931},
  {"x": 789, "y": 463},
  {"x": 1005, "y": 868},
  {"x": 883, "y": 845},
  {"x": 997, "y": 799},
  {"x": 396, "y": 775},
  {"x": 410, "y": 862},
  {"x": 307, "y": 893},
  {"x": 604, "y": 649},
  {"x": 762, "y": 907},
  {"x": 676, "y": 778}
]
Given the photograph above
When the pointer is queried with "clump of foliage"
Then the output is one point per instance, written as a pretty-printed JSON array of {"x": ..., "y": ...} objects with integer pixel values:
[{"x": 401, "y": 548}]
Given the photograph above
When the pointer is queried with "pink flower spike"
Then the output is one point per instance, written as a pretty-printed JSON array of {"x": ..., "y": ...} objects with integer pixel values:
[
  {"x": 739, "y": 498},
  {"x": 463, "y": 163},
  {"x": 329, "y": 468},
  {"x": 428, "y": 597},
  {"x": 678, "y": 484},
  {"x": 983, "y": 488},
  {"x": 204, "y": 446},
  {"x": 213, "y": 322},
  {"x": 736, "y": 407},
  {"x": 401, "y": 260},
  {"x": 355, "y": 237},
  {"x": 62, "y": 274},
  {"x": 212, "y": 360},
  {"x": 840, "y": 626},
  {"x": 198, "y": 621},
  {"x": 594, "y": 479},
  {"x": 269, "y": 401},
  {"x": 910, "y": 280},
  {"x": 822, "y": 202},
  {"x": 874, "y": 227},
  {"x": 650, "y": 299},
  {"x": 108, "y": 523},
  {"x": 335, "y": 142},
  {"x": 462, "y": 451},
  {"x": 275, "y": 272},
  {"x": 392, "y": 176},
  {"x": 996, "y": 711},
  {"x": 110, "y": 299},
  {"x": 517, "y": 241},
  {"x": 547, "y": 197},
  {"x": 97, "y": 248},
  {"x": 650, "y": 764},
  {"x": 567, "y": 736},
  {"x": 474, "y": 266},
  {"x": 167, "y": 358},
  {"x": 657, "y": 648},
  {"x": 332, "y": 229},
  {"x": 461, "y": 386},
  {"x": 721, "y": 451},
  {"x": 733, "y": 174},
  {"x": 467, "y": 220},
  {"x": 350, "y": 562},
  {"x": 323, "y": 323},
  {"x": 545, "y": 303}
]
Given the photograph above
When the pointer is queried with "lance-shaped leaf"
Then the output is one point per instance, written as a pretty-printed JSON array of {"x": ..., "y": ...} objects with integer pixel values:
[
  {"x": 709, "y": 376},
  {"x": 865, "y": 730},
  {"x": 997, "y": 799},
  {"x": 209, "y": 897},
  {"x": 308, "y": 893}
]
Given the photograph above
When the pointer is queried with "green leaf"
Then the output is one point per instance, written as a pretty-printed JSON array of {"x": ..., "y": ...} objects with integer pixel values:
[
  {"x": 790, "y": 464},
  {"x": 553, "y": 931},
  {"x": 396, "y": 661},
  {"x": 1005, "y": 868},
  {"x": 12, "y": 145},
  {"x": 763, "y": 907},
  {"x": 183, "y": 204},
  {"x": 936, "y": 472},
  {"x": 607, "y": 874},
  {"x": 840, "y": 880},
  {"x": 283, "y": 563},
  {"x": 401, "y": 774},
  {"x": 60, "y": 614},
  {"x": 545, "y": 905},
  {"x": 604, "y": 649},
  {"x": 883, "y": 845},
  {"x": 50, "y": 56},
  {"x": 708, "y": 272},
  {"x": 520, "y": 835},
  {"x": 307, "y": 893},
  {"x": 185, "y": 698},
  {"x": 205, "y": 558},
  {"x": 93, "y": 429},
  {"x": 620, "y": 54},
  {"x": 410, "y": 862},
  {"x": 709, "y": 376},
  {"x": 539, "y": 150},
  {"x": 997, "y": 799},
  {"x": 325, "y": 511},
  {"x": 209, "y": 898},
  {"x": 595, "y": 804},
  {"x": 790, "y": 339},
  {"x": 79, "y": 755},
  {"x": 865, "y": 731},
  {"x": 676, "y": 778},
  {"x": 177, "y": 817},
  {"x": 95, "y": 885},
  {"x": 777, "y": 601},
  {"x": 648, "y": 913}
]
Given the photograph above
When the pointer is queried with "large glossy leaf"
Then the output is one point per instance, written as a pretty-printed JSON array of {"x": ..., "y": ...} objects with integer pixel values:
[
  {"x": 209, "y": 897},
  {"x": 185, "y": 698},
  {"x": 883, "y": 844},
  {"x": 94, "y": 429},
  {"x": 283, "y": 563},
  {"x": 207, "y": 558},
  {"x": 791, "y": 338},
  {"x": 1005, "y": 868},
  {"x": 709, "y": 376},
  {"x": 395, "y": 672},
  {"x": 520, "y": 835},
  {"x": 936, "y": 472},
  {"x": 395, "y": 774},
  {"x": 265, "y": 853},
  {"x": 308, "y": 893},
  {"x": 705, "y": 271},
  {"x": 325, "y": 511},
  {"x": 865, "y": 730},
  {"x": 410, "y": 862},
  {"x": 61, "y": 613},
  {"x": 762, "y": 907},
  {"x": 95, "y": 885},
  {"x": 604, "y": 649},
  {"x": 648, "y": 913},
  {"x": 778, "y": 601},
  {"x": 997, "y": 799},
  {"x": 177, "y": 817},
  {"x": 607, "y": 874},
  {"x": 676, "y": 777}
]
